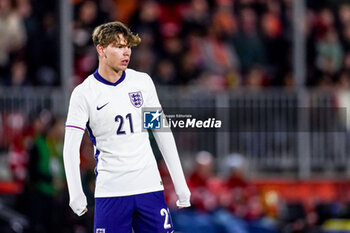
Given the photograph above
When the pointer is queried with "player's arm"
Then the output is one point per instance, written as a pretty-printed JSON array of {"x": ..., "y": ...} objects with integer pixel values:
[
  {"x": 167, "y": 146},
  {"x": 75, "y": 127},
  {"x": 71, "y": 157}
]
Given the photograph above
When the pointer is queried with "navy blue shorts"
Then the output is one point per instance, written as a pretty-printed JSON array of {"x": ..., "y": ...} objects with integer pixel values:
[{"x": 144, "y": 213}]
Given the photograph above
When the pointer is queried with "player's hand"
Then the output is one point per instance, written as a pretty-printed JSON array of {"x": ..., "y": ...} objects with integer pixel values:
[
  {"x": 83, "y": 212},
  {"x": 183, "y": 200},
  {"x": 78, "y": 205},
  {"x": 182, "y": 205}
]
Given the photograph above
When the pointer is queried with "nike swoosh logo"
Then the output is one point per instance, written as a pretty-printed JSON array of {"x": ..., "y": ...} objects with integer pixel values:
[{"x": 99, "y": 108}]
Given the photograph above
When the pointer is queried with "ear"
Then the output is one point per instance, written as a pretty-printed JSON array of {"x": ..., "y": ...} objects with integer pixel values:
[{"x": 100, "y": 50}]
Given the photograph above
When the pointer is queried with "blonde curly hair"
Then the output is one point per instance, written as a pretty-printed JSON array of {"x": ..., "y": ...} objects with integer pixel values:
[{"x": 108, "y": 33}]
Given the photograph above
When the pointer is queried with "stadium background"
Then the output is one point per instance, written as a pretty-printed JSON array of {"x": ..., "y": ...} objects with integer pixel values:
[{"x": 291, "y": 57}]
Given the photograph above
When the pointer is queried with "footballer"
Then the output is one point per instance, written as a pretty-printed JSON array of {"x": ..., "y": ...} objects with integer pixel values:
[{"x": 108, "y": 103}]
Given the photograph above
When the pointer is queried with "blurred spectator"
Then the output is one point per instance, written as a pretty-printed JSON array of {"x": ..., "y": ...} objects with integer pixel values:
[
  {"x": 203, "y": 170},
  {"x": 235, "y": 167},
  {"x": 223, "y": 19},
  {"x": 344, "y": 13},
  {"x": 288, "y": 81},
  {"x": 240, "y": 197},
  {"x": 55, "y": 144},
  {"x": 248, "y": 42},
  {"x": 191, "y": 64},
  {"x": 87, "y": 17},
  {"x": 14, "y": 124},
  {"x": 143, "y": 57},
  {"x": 346, "y": 36},
  {"x": 18, "y": 74},
  {"x": 343, "y": 81},
  {"x": 346, "y": 62},
  {"x": 278, "y": 48},
  {"x": 188, "y": 69},
  {"x": 13, "y": 36},
  {"x": 244, "y": 200},
  {"x": 85, "y": 22},
  {"x": 324, "y": 23},
  {"x": 255, "y": 78},
  {"x": 165, "y": 73},
  {"x": 146, "y": 19},
  {"x": 172, "y": 49},
  {"x": 170, "y": 18},
  {"x": 218, "y": 56},
  {"x": 42, "y": 51},
  {"x": 196, "y": 18},
  {"x": 329, "y": 53},
  {"x": 201, "y": 196},
  {"x": 324, "y": 82},
  {"x": 124, "y": 9}
]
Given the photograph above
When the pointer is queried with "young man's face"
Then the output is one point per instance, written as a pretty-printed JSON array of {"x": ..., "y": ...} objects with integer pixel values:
[{"x": 117, "y": 55}]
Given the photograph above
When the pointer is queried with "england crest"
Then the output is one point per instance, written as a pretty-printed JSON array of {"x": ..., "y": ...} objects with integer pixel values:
[{"x": 136, "y": 98}]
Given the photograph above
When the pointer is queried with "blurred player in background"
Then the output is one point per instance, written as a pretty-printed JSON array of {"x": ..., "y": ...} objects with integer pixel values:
[{"x": 129, "y": 189}]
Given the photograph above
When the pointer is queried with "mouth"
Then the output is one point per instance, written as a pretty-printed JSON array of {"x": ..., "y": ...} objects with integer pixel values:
[{"x": 125, "y": 61}]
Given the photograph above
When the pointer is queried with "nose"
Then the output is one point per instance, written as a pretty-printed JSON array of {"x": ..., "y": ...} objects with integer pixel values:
[{"x": 127, "y": 51}]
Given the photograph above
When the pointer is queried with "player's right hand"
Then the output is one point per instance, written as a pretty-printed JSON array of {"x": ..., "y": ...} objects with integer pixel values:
[
  {"x": 83, "y": 212},
  {"x": 78, "y": 205}
]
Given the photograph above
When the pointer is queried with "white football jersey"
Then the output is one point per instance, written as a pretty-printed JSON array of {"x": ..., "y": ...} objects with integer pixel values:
[{"x": 112, "y": 113}]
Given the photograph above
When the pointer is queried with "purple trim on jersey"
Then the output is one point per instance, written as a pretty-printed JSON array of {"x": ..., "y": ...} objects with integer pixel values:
[
  {"x": 96, "y": 158},
  {"x": 102, "y": 80},
  {"x": 92, "y": 137},
  {"x": 93, "y": 140},
  {"x": 76, "y": 127}
]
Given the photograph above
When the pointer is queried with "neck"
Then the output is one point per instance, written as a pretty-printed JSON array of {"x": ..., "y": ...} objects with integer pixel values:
[{"x": 109, "y": 74}]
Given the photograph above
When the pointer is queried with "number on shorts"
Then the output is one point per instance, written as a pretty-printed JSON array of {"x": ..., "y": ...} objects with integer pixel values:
[{"x": 166, "y": 220}]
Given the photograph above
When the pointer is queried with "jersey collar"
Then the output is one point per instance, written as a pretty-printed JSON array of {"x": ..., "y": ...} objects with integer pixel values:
[{"x": 102, "y": 80}]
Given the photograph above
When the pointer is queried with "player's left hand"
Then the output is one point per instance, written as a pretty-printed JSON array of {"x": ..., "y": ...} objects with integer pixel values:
[
  {"x": 184, "y": 200},
  {"x": 181, "y": 206}
]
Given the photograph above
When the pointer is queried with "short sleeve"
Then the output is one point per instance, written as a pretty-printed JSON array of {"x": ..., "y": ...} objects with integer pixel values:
[
  {"x": 77, "y": 116},
  {"x": 152, "y": 97}
]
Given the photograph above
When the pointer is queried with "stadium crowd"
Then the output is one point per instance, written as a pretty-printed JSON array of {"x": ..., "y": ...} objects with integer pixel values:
[
  {"x": 223, "y": 43},
  {"x": 215, "y": 44}
]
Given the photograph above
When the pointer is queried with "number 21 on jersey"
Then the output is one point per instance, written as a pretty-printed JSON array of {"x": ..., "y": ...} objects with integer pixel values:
[{"x": 120, "y": 119}]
